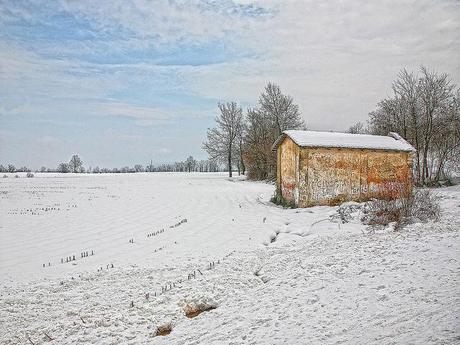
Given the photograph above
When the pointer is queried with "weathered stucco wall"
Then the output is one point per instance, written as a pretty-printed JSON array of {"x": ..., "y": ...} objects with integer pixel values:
[
  {"x": 287, "y": 171},
  {"x": 326, "y": 176}
]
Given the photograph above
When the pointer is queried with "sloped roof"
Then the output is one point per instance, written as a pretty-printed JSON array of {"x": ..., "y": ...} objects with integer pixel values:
[{"x": 393, "y": 141}]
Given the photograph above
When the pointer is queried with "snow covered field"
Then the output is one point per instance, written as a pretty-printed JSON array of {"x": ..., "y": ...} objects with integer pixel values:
[{"x": 161, "y": 243}]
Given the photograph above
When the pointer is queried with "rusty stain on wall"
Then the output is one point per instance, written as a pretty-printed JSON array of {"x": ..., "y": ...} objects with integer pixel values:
[
  {"x": 328, "y": 176},
  {"x": 287, "y": 169}
]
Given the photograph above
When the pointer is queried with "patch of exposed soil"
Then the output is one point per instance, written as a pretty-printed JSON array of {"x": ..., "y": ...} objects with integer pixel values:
[
  {"x": 163, "y": 330},
  {"x": 194, "y": 311}
]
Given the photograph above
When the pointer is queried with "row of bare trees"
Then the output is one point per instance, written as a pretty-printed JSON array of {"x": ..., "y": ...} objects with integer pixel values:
[
  {"x": 424, "y": 109},
  {"x": 245, "y": 141},
  {"x": 75, "y": 165},
  {"x": 12, "y": 169},
  {"x": 189, "y": 165}
]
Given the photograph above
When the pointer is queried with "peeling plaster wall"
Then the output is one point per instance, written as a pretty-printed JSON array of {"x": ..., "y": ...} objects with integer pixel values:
[
  {"x": 287, "y": 175},
  {"x": 331, "y": 176},
  {"x": 323, "y": 176}
]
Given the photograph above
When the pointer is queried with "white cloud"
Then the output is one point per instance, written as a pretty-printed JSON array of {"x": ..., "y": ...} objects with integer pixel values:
[
  {"x": 164, "y": 22},
  {"x": 337, "y": 58},
  {"x": 114, "y": 108}
]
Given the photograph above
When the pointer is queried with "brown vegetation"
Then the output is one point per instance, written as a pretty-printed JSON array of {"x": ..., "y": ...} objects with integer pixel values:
[
  {"x": 163, "y": 329},
  {"x": 397, "y": 204},
  {"x": 192, "y": 311}
]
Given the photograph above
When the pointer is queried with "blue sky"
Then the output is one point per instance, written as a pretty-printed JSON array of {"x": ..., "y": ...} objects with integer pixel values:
[{"x": 123, "y": 82}]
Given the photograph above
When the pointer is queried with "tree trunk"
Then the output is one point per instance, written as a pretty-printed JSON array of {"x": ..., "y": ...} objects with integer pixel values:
[
  {"x": 230, "y": 162},
  {"x": 417, "y": 145},
  {"x": 243, "y": 168},
  {"x": 426, "y": 148},
  {"x": 425, "y": 165},
  {"x": 438, "y": 172}
]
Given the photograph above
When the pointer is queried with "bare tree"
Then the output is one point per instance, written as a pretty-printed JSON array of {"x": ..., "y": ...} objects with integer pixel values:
[
  {"x": 138, "y": 168},
  {"x": 259, "y": 138},
  {"x": 276, "y": 113},
  {"x": 435, "y": 91},
  {"x": 425, "y": 111},
  {"x": 280, "y": 109},
  {"x": 149, "y": 167},
  {"x": 190, "y": 164},
  {"x": 222, "y": 140},
  {"x": 75, "y": 164},
  {"x": 63, "y": 168},
  {"x": 357, "y": 128},
  {"x": 445, "y": 151},
  {"x": 406, "y": 92}
]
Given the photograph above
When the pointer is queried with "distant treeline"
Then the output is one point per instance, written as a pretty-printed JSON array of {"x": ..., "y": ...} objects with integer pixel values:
[
  {"x": 75, "y": 165},
  {"x": 12, "y": 169}
]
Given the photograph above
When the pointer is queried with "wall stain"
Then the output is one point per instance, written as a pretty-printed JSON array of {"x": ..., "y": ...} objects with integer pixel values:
[{"x": 330, "y": 176}]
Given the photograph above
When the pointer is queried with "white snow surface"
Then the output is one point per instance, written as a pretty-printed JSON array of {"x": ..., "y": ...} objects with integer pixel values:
[
  {"x": 348, "y": 140},
  {"x": 273, "y": 275}
]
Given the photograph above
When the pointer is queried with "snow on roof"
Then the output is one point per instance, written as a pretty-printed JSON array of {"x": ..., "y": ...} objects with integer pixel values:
[{"x": 392, "y": 142}]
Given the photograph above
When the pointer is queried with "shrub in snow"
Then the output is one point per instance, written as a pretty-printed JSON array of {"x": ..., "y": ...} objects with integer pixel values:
[
  {"x": 348, "y": 211},
  {"x": 278, "y": 199},
  {"x": 16, "y": 176},
  {"x": 422, "y": 205},
  {"x": 425, "y": 206},
  {"x": 5, "y": 176},
  {"x": 29, "y": 174}
]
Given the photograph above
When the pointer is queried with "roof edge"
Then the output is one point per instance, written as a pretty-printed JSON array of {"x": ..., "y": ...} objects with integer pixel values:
[
  {"x": 393, "y": 135},
  {"x": 396, "y": 136},
  {"x": 280, "y": 140}
]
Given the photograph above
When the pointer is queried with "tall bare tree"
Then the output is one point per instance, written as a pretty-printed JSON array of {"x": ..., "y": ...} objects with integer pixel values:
[
  {"x": 435, "y": 92},
  {"x": 259, "y": 137},
  {"x": 222, "y": 140},
  {"x": 276, "y": 113},
  {"x": 425, "y": 111},
  {"x": 406, "y": 91},
  {"x": 279, "y": 109},
  {"x": 75, "y": 164}
]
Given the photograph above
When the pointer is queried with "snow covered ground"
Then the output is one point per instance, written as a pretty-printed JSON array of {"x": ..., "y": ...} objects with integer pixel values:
[{"x": 272, "y": 276}]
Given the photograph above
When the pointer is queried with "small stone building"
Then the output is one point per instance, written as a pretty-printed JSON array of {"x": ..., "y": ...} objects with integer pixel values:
[{"x": 327, "y": 168}]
